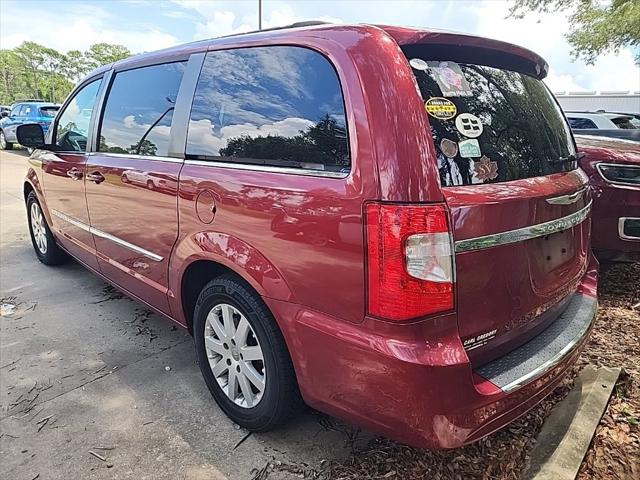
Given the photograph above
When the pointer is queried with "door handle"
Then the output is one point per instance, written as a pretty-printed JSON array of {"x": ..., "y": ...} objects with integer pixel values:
[
  {"x": 96, "y": 177},
  {"x": 74, "y": 173}
]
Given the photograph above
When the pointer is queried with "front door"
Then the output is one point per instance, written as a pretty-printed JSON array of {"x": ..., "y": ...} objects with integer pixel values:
[
  {"x": 64, "y": 172},
  {"x": 132, "y": 184}
]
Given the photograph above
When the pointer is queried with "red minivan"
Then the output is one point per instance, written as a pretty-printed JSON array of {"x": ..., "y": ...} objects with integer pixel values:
[{"x": 387, "y": 224}]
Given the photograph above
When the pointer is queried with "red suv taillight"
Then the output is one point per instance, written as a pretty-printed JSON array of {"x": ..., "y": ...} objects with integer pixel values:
[{"x": 409, "y": 259}]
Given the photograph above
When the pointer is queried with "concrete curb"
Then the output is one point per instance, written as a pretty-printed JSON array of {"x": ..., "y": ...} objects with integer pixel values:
[{"x": 567, "y": 432}]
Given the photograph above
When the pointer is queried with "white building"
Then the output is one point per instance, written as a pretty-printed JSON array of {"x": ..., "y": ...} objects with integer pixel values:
[{"x": 610, "y": 101}]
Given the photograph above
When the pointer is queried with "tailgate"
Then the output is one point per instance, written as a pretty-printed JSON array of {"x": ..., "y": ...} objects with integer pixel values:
[{"x": 521, "y": 250}]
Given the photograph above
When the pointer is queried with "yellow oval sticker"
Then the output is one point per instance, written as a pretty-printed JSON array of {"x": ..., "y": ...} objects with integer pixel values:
[{"x": 440, "y": 108}]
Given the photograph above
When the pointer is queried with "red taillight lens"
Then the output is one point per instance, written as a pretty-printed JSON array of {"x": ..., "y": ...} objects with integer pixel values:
[{"x": 409, "y": 259}]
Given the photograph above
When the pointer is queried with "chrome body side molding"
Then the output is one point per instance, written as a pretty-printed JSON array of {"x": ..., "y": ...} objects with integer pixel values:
[
  {"x": 108, "y": 236},
  {"x": 525, "y": 233}
]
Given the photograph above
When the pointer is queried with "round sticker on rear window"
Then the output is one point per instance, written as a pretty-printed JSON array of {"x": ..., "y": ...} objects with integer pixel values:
[
  {"x": 418, "y": 64},
  {"x": 469, "y": 125},
  {"x": 441, "y": 108}
]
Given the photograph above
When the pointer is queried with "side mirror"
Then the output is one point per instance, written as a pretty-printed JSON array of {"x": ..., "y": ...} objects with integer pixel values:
[{"x": 30, "y": 135}]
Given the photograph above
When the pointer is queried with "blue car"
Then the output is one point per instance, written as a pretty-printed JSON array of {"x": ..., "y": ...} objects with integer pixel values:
[{"x": 21, "y": 113}]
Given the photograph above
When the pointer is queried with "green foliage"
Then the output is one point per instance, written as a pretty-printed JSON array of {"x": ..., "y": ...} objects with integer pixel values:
[
  {"x": 595, "y": 27},
  {"x": 34, "y": 71}
]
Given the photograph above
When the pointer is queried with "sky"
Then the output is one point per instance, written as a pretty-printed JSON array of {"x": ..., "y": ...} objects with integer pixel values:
[{"x": 143, "y": 25}]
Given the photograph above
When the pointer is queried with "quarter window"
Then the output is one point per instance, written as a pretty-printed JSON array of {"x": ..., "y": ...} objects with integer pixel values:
[
  {"x": 276, "y": 106},
  {"x": 73, "y": 125},
  {"x": 137, "y": 116}
]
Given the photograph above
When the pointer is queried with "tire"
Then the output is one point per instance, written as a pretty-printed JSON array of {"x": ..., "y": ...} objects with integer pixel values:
[
  {"x": 4, "y": 145},
  {"x": 280, "y": 398},
  {"x": 150, "y": 185},
  {"x": 44, "y": 244}
]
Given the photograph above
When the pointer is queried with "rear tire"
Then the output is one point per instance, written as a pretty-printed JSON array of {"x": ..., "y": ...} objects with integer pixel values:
[
  {"x": 230, "y": 297},
  {"x": 4, "y": 145},
  {"x": 42, "y": 239}
]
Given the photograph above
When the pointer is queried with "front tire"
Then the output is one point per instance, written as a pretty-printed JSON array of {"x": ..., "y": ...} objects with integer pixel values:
[
  {"x": 4, "y": 145},
  {"x": 42, "y": 239},
  {"x": 243, "y": 357}
]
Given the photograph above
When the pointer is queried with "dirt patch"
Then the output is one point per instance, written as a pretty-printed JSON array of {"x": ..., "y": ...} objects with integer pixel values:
[{"x": 614, "y": 453}]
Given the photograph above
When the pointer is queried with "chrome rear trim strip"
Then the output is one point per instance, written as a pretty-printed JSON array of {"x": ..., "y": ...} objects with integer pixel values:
[
  {"x": 567, "y": 199},
  {"x": 108, "y": 236},
  {"x": 522, "y": 234}
]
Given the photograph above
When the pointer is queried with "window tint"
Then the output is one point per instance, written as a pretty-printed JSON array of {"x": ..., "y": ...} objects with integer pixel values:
[
  {"x": 73, "y": 124},
  {"x": 26, "y": 111},
  {"x": 278, "y": 106},
  {"x": 581, "y": 123},
  {"x": 49, "y": 111},
  {"x": 623, "y": 122},
  {"x": 137, "y": 116},
  {"x": 491, "y": 124}
]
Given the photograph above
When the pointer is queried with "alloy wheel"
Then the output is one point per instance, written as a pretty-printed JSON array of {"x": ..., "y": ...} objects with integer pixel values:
[
  {"x": 3, "y": 141},
  {"x": 38, "y": 228},
  {"x": 235, "y": 356}
]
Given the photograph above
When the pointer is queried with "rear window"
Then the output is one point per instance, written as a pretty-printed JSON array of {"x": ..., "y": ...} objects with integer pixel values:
[
  {"x": 490, "y": 124},
  {"x": 49, "y": 111},
  {"x": 623, "y": 122}
]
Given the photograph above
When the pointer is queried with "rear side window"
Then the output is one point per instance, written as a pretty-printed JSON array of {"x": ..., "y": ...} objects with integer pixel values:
[
  {"x": 491, "y": 124},
  {"x": 581, "y": 123},
  {"x": 275, "y": 106},
  {"x": 48, "y": 112},
  {"x": 623, "y": 122},
  {"x": 137, "y": 116}
]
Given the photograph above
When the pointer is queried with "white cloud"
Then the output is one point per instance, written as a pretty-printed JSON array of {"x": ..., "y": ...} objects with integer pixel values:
[
  {"x": 206, "y": 142},
  {"x": 53, "y": 28}
]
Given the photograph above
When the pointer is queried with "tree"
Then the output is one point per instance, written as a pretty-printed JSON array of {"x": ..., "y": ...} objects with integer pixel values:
[
  {"x": 595, "y": 27},
  {"x": 104, "y": 53}
]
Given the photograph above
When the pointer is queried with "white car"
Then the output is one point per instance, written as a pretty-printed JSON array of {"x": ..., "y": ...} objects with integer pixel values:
[{"x": 600, "y": 120}]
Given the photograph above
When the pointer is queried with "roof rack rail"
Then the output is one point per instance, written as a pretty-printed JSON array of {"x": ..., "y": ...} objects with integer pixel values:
[
  {"x": 306, "y": 23},
  {"x": 30, "y": 100}
]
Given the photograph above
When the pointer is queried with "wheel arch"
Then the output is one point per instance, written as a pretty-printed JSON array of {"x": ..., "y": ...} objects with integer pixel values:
[{"x": 218, "y": 254}]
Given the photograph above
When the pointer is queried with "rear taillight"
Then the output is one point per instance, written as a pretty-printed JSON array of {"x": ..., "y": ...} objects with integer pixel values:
[{"x": 409, "y": 260}]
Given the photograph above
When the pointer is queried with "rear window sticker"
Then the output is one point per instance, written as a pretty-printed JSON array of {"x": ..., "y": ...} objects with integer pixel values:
[
  {"x": 450, "y": 79},
  {"x": 440, "y": 108},
  {"x": 449, "y": 148},
  {"x": 469, "y": 148},
  {"x": 418, "y": 64},
  {"x": 485, "y": 169},
  {"x": 469, "y": 125}
]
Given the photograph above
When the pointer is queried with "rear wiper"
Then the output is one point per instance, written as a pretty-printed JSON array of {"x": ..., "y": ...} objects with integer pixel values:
[{"x": 570, "y": 158}]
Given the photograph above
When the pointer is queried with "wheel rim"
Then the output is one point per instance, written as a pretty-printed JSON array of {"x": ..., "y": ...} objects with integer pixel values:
[
  {"x": 38, "y": 228},
  {"x": 235, "y": 356},
  {"x": 3, "y": 142}
]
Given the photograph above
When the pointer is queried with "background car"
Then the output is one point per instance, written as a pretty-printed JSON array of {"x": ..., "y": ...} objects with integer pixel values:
[
  {"x": 605, "y": 124},
  {"x": 613, "y": 166},
  {"x": 22, "y": 113}
]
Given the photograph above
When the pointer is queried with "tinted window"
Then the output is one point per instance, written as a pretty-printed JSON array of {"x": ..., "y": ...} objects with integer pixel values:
[
  {"x": 277, "y": 106},
  {"x": 137, "y": 116},
  {"x": 491, "y": 124},
  {"x": 624, "y": 122},
  {"x": 26, "y": 111},
  {"x": 581, "y": 123},
  {"x": 48, "y": 111},
  {"x": 73, "y": 124}
]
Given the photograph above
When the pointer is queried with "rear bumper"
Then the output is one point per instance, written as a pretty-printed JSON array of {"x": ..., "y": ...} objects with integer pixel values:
[{"x": 415, "y": 383}]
